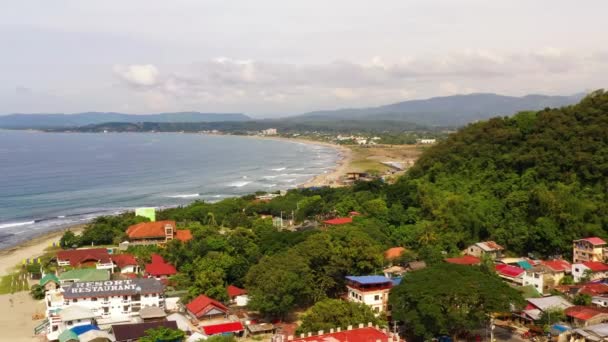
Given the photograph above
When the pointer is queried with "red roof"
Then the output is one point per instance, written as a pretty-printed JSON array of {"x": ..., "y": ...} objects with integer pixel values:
[
  {"x": 76, "y": 257},
  {"x": 584, "y": 312},
  {"x": 123, "y": 260},
  {"x": 223, "y": 328},
  {"x": 393, "y": 253},
  {"x": 203, "y": 304},
  {"x": 464, "y": 260},
  {"x": 147, "y": 230},
  {"x": 158, "y": 267},
  {"x": 596, "y": 266},
  {"x": 355, "y": 335},
  {"x": 234, "y": 291},
  {"x": 594, "y": 289},
  {"x": 339, "y": 221},
  {"x": 183, "y": 235},
  {"x": 509, "y": 271},
  {"x": 595, "y": 241},
  {"x": 558, "y": 265}
]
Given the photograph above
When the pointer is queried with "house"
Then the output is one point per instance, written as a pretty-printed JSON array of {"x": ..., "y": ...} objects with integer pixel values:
[
  {"x": 203, "y": 307},
  {"x": 394, "y": 272},
  {"x": 269, "y": 131},
  {"x": 85, "y": 333},
  {"x": 88, "y": 257},
  {"x": 235, "y": 328},
  {"x": 546, "y": 275},
  {"x": 110, "y": 299},
  {"x": 49, "y": 282},
  {"x": 237, "y": 295},
  {"x": 361, "y": 334},
  {"x": 598, "y": 332},
  {"x": 588, "y": 249},
  {"x": 125, "y": 263},
  {"x": 370, "y": 290},
  {"x": 338, "y": 221},
  {"x": 134, "y": 331},
  {"x": 593, "y": 269},
  {"x": 159, "y": 269},
  {"x": 355, "y": 176},
  {"x": 158, "y": 232},
  {"x": 583, "y": 316},
  {"x": 511, "y": 274},
  {"x": 536, "y": 306},
  {"x": 489, "y": 248},
  {"x": 152, "y": 314},
  {"x": 68, "y": 318},
  {"x": 464, "y": 260},
  {"x": 83, "y": 274}
]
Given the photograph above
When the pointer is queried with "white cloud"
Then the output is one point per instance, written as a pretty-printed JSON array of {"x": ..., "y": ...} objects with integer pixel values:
[{"x": 138, "y": 75}]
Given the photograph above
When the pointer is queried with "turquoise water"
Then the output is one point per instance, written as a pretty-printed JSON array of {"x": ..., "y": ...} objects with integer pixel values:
[{"x": 51, "y": 180}]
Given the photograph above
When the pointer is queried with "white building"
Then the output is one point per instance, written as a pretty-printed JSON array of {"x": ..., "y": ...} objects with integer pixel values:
[
  {"x": 426, "y": 141},
  {"x": 594, "y": 269},
  {"x": 270, "y": 131},
  {"x": 112, "y": 300},
  {"x": 370, "y": 290}
]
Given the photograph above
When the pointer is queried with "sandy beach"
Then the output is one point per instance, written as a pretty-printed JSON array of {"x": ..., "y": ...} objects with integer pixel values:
[
  {"x": 16, "y": 322},
  {"x": 12, "y": 257}
]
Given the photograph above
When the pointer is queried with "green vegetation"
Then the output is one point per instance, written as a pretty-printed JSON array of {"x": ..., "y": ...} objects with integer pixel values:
[
  {"x": 332, "y": 313},
  {"x": 162, "y": 334},
  {"x": 15, "y": 282},
  {"x": 450, "y": 299}
]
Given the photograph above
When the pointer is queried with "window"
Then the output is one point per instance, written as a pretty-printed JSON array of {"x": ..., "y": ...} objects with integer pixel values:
[
  {"x": 69, "y": 323},
  {"x": 376, "y": 309},
  {"x": 576, "y": 270},
  {"x": 376, "y": 297},
  {"x": 74, "y": 300},
  {"x": 94, "y": 299}
]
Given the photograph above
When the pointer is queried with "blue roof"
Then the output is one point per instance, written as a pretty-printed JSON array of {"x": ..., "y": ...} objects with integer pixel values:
[
  {"x": 368, "y": 280},
  {"x": 525, "y": 265},
  {"x": 81, "y": 329},
  {"x": 396, "y": 281}
]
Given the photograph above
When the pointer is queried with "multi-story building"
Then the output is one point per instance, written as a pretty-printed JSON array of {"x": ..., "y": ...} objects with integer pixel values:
[
  {"x": 546, "y": 275},
  {"x": 589, "y": 270},
  {"x": 112, "y": 300},
  {"x": 589, "y": 249},
  {"x": 159, "y": 232},
  {"x": 370, "y": 290}
]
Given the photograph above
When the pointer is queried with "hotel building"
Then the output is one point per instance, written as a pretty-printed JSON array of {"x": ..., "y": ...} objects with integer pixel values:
[{"x": 370, "y": 290}]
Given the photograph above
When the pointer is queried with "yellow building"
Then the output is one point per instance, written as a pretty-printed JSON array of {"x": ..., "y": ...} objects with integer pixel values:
[{"x": 589, "y": 249}]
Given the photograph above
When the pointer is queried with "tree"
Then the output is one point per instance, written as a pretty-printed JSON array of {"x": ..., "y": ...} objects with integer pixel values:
[
  {"x": 333, "y": 313},
  {"x": 69, "y": 240},
  {"x": 582, "y": 299},
  {"x": 449, "y": 299},
  {"x": 162, "y": 334},
  {"x": 37, "y": 292}
]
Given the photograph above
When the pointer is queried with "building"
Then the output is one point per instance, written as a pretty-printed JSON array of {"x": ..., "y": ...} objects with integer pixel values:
[
  {"x": 594, "y": 270},
  {"x": 132, "y": 332},
  {"x": 125, "y": 263},
  {"x": 237, "y": 295},
  {"x": 426, "y": 141},
  {"x": 583, "y": 316},
  {"x": 370, "y": 290},
  {"x": 68, "y": 318},
  {"x": 546, "y": 275},
  {"x": 88, "y": 257},
  {"x": 463, "y": 260},
  {"x": 235, "y": 328},
  {"x": 203, "y": 307},
  {"x": 49, "y": 282},
  {"x": 338, "y": 221},
  {"x": 591, "y": 333},
  {"x": 269, "y": 131},
  {"x": 159, "y": 232},
  {"x": 588, "y": 249},
  {"x": 511, "y": 274},
  {"x": 489, "y": 248},
  {"x": 159, "y": 269},
  {"x": 109, "y": 300},
  {"x": 361, "y": 334},
  {"x": 536, "y": 306}
]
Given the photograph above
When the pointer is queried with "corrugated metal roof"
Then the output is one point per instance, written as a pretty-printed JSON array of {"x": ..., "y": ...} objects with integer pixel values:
[{"x": 369, "y": 280}]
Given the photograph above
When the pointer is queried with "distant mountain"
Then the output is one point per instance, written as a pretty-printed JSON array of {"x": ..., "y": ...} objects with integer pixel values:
[
  {"x": 457, "y": 110},
  {"x": 92, "y": 118}
]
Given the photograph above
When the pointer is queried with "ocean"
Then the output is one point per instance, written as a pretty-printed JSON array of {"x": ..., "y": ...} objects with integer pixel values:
[{"x": 49, "y": 181}]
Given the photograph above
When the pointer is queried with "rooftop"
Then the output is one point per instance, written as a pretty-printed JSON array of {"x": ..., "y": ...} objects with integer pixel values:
[
  {"x": 123, "y": 260},
  {"x": 202, "y": 304},
  {"x": 158, "y": 267},
  {"x": 558, "y": 265},
  {"x": 393, "y": 253},
  {"x": 234, "y": 291},
  {"x": 464, "y": 260},
  {"x": 49, "y": 277},
  {"x": 152, "y": 312},
  {"x": 76, "y": 257},
  {"x": 369, "y": 280},
  {"x": 367, "y": 334},
  {"x": 545, "y": 303},
  {"x": 339, "y": 221},
  {"x": 74, "y": 312},
  {"x": 113, "y": 288},
  {"x": 126, "y": 332},
  {"x": 85, "y": 274},
  {"x": 584, "y": 312},
  {"x": 489, "y": 246},
  {"x": 596, "y": 266},
  {"x": 223, "y": 328},
  {"x": 509, "y": 271},
  {"x": 596, "y": 241}
]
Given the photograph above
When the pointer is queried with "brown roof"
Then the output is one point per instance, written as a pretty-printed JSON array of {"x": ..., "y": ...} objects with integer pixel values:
[
  {"x": 393, "y": 253},
  {"x": 145, "y": 230},
  {"x": 126, "y": 332},
  {"x": 183, "y": 235}
]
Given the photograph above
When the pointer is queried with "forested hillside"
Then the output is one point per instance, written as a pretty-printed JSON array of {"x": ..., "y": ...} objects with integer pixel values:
[{"x": 533, "y": 182}]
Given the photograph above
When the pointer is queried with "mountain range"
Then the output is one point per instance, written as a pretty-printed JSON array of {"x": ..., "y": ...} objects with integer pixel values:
[
  {"x": 93, "y": 118},
  {"x": 447, "y": 111},
  {"x": 451, "y": 111}
]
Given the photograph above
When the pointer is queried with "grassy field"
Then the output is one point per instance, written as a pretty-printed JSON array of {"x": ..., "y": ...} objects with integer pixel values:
[
  {"x": 370, "y": 158},
  {"x": 12, "y": 283}
]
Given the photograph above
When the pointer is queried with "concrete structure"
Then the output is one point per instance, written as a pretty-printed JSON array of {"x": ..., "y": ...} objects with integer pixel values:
[
  {"x": 68, "y": 318},
  {"x": 593, "y": 269},
  {"x": 589, "y": 249},
  {"x": 159, "y": 232},
  {"x": 237, "y": 295},
  {"x": 546, "y": 275},
  {"x": 592, "y": 333},
  {"x": 109, "y": 300},
  {"x": 370, "y": 290},
  {"x": 489, "y": 248},
  {"x": 361, "y": 333}
]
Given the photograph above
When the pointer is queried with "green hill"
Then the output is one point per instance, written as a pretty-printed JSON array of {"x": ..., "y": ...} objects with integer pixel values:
[{"x": 533, "y": 182}]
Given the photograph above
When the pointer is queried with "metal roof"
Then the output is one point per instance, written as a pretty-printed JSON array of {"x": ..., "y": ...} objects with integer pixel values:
[{"x": 369, "y": 280}]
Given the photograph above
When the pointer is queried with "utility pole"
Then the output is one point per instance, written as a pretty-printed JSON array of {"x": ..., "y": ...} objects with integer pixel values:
[{"x": 492, "y": 326}]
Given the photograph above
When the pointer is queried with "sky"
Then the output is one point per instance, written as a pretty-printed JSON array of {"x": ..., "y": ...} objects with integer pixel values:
[{"x": 270, "y": 58}]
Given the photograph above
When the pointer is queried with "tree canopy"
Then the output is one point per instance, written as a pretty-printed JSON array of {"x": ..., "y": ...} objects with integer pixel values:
[{"x": 333, "y": 313}]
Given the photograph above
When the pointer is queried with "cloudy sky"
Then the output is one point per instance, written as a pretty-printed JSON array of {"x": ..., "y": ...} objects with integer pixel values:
[{"x": 277, "y": 57}]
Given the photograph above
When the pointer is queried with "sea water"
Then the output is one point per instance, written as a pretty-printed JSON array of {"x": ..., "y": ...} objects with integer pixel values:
[{"x": 53, "y": 180}]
